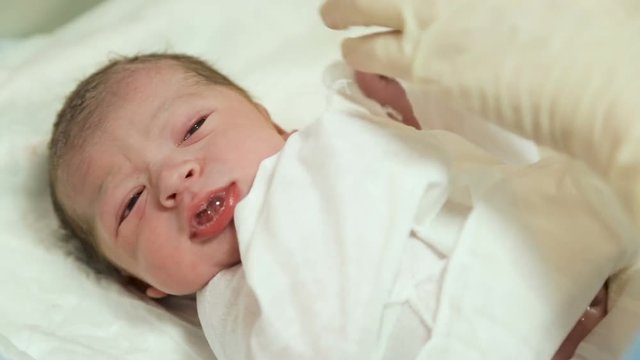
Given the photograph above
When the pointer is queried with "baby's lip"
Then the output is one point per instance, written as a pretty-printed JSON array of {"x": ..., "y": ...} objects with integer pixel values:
[{"x": 211, "y": 213}]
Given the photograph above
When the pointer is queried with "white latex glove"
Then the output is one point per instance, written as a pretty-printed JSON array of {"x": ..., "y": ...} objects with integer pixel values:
[{"x": 564, "y": 73}]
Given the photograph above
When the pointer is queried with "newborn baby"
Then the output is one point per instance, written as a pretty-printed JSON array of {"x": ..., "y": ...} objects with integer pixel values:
[{"x": 151, "y": 155}]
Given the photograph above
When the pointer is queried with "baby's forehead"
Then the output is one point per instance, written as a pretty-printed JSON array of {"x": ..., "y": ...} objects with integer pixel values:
[
  {"x": 127, "y": 88},
  {"x": 139, "y": 79}
]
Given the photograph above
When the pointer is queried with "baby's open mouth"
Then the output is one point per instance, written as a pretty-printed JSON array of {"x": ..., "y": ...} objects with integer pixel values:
[
  {"x": 213, "y": 207},
  {"x": 212, "y": 213}
]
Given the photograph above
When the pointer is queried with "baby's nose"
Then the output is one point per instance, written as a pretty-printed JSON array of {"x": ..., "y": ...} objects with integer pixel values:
[{"x": 174, "y": 179}]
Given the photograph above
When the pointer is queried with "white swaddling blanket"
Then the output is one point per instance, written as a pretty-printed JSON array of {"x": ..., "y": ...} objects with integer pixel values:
[{"x": 363, "y": 238}]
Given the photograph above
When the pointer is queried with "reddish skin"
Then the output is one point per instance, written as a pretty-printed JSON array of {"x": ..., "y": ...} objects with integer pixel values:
[
  {"x": 596, "y": 311},
  {"x": 389, "y": 92}
]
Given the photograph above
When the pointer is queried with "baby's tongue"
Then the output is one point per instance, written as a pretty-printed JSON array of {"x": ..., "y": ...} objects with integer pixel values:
[{"x": 211, "y": 212}]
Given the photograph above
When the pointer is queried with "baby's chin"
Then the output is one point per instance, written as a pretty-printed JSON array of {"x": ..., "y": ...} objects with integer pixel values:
[
  {"x": 226, "y": 255},
  {"x": 183, "y": 289},
  {"x": 189, "y": 284}
]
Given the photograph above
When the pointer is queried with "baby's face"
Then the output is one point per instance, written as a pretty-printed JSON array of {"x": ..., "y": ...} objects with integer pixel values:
[{"x": 161, "y": 180}]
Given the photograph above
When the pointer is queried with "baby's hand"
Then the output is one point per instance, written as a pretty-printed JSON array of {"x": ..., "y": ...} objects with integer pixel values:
[
  {"x": 387, "y": 92},
  {"x": 595, "y": 312}
]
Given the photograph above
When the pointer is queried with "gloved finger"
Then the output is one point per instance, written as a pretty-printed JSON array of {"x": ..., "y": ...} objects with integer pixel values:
[
  {"x": 381, "y": 53},
  {"x": 341, "y": 14}
]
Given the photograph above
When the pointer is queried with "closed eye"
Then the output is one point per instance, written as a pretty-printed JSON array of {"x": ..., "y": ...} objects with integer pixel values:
[
  {"x": 131, "y": 204},
  {"x": 194, "y": 127}
]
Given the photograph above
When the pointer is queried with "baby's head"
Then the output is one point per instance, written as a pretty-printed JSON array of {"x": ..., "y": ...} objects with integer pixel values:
[{"x": 148, "y": 157}]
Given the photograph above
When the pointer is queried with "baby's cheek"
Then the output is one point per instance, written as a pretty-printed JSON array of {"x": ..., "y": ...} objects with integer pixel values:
[
  {"x": 160, "y": 264},
  {"x": 156, "y": 266}
]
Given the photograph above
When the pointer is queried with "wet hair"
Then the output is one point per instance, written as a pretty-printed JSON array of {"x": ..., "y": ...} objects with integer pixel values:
[{"x": 79, "y": 119}]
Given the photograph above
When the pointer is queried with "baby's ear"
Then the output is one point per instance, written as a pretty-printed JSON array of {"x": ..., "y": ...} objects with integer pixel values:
[{"x": 155, "y": 293}]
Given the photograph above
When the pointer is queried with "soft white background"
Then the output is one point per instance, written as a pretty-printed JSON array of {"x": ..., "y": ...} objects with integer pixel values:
[
  {"x": 26, "y": 17},
  {"x": 50, "y": 306}
]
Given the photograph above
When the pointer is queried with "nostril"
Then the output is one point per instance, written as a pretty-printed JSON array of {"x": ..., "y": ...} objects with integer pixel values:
[
  {"x": 189, "y": 174},
  {"x": 171, "y": 197}
]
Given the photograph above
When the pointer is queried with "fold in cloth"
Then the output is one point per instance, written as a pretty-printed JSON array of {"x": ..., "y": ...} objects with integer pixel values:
[{"x": 363, "y": 237}]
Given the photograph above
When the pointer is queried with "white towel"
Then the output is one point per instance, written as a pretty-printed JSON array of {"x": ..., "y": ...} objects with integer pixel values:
[{"x": 515, "y": 253}]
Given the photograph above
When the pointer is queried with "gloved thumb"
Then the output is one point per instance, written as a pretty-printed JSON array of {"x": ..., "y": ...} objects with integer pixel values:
[{"x": 380, "y": 53}]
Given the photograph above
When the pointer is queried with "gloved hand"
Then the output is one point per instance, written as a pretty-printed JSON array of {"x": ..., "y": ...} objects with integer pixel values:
[{"x": 563, "y": 73}]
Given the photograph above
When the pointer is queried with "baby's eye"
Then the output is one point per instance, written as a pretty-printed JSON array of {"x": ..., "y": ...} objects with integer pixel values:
[
  {"x": 192, "y": 130},
  {"x": 130, "y": 205}
]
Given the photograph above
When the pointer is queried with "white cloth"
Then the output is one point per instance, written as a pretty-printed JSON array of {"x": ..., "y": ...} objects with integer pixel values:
[
  {"x": 365, "y": 239},
  {"x": 612, "y": 338}
]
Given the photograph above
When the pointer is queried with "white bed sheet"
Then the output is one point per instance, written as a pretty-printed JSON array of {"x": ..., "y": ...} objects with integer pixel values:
[{"x": 51, "y": 307}]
